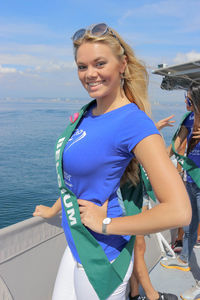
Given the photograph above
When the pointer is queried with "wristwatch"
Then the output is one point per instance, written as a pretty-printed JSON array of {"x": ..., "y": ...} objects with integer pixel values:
[{"x": 105, "y": 222}]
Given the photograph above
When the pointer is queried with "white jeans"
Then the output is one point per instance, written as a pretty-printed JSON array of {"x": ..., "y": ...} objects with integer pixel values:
[{"x": 72, "y": 282}]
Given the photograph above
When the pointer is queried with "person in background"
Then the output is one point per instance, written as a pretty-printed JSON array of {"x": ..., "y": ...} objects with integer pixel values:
[
  {"x": 178, "y": 244},
  {"x": 113, "y": 135},
  {"x": 190, "y": 129}
]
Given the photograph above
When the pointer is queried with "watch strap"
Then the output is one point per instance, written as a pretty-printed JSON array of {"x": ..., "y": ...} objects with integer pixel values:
[{"x": 104, "y": 228}]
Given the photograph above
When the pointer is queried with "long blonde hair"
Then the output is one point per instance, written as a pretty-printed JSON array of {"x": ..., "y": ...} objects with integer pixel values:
[{"x": 135, "y": 80}]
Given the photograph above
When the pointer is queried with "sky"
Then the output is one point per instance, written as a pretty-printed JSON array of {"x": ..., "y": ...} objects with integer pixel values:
[{"x": 36, "y": 54}]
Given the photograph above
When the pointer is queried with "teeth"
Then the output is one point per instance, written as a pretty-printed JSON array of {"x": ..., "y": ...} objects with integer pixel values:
[{"x": 93, "y": 83}]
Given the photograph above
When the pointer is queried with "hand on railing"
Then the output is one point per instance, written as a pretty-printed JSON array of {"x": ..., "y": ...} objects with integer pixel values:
[{"x": 46, "y": 211}]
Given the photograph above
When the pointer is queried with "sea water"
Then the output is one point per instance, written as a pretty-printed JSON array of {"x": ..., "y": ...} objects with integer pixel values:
[{"x": 28, "y": 132}]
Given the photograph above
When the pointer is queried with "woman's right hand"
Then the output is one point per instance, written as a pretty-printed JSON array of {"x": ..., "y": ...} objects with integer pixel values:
[{"x": 44, "y": 211}]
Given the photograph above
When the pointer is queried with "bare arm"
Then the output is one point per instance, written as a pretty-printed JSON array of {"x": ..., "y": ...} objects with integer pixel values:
[
  {"x": 174, "y": 209},
  {"x": 46, "y": 211}
]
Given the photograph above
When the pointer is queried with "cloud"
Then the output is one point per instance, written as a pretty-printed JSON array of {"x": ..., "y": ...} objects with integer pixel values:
[
  {"x": 30, "y": 83},
  {"x": 175, "y": 11},
  {"x": 158, "y": 8},
  {"x": 4, "y": 70},
  {"x": 51, "y": 66},
  {"x": 186, "y": 57},
  {"x": 31, "y": 63},
  {"x": 37, "y": 49},
  {"x": 33, "y": 57},
  {"x": 37, "y": 57},
  {"x": 20, "y": 59},
  {"x": 8, "y": 30}
]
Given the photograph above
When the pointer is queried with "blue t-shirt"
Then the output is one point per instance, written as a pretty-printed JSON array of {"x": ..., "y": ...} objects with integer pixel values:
[
  {"x": 94, "y": 160},
  {"x": 194, "y": 154}
]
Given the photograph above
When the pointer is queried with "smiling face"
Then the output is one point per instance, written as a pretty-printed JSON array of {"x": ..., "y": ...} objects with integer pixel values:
[{"x": 99, "y": 70}]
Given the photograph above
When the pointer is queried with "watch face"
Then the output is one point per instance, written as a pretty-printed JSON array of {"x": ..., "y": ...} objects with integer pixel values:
[{"x": 107, "y": 221}]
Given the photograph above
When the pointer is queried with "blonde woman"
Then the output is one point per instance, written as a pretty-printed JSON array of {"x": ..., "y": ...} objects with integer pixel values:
[{"x": 112, "y": 135}]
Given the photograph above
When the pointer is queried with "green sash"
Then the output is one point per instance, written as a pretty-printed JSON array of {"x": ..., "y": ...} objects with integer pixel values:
[
  {"x": 147, "y": 184},
  {"x": 104, "y": 276},
  {"x": 185, "y": 162}
]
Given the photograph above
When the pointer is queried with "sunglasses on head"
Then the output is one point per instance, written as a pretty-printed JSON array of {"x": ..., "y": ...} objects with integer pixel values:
[
  {"x": 94, "y": 30},
  {"x": 188, "y": 100}
]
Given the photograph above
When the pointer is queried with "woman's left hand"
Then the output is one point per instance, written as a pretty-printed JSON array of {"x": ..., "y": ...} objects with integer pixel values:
[{"x": 92, "y": 215}]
